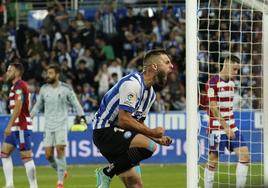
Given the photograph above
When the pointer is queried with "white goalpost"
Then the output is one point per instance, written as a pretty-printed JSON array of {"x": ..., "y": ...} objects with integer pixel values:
[{"x": 216, "y": 29}]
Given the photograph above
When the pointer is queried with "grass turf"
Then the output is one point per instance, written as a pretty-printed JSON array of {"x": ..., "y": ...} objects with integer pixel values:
[{"x": 154, "y": 176}]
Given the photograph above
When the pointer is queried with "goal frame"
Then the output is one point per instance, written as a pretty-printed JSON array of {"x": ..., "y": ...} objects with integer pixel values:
[{"x": 192, "y": 94}]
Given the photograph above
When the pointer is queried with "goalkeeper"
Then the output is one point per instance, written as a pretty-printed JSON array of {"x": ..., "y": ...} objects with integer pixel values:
[
  {"x": 54, "y": 99},
  {"x": 223, "y": 132}
]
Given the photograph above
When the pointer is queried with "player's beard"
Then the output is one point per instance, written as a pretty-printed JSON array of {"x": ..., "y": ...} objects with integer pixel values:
[
  {"x": 10, "y": 78},
  {"x": 51, "y": 80},
  {"x": 161, "y": 78}
]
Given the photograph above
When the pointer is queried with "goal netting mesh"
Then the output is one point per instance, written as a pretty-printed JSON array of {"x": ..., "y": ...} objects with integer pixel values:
[{"x": 234, "y": 27}]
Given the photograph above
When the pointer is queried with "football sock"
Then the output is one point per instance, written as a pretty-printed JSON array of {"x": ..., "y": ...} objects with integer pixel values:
[
  {"x": 31, "y": 173},
  {"x": 208, "y": 178},
  {"x": 61, "y": 163},
  {"x": 8, "y": 170},
  {"x": 53, "y": 163},
  {"x": 241, "y": 174}
]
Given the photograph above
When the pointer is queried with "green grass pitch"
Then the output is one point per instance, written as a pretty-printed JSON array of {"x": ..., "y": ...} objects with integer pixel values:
[{"x": 154, "y": 176}]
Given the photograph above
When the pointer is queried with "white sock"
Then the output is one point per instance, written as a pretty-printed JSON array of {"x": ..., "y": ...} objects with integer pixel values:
[
  {"x": 61, "y": 164},
  {"x": 8, "y": 171},
  {"x": 208, "y": 178},
  {"x": 241, "y": 175},
  {"x": 31, "y": 173}
]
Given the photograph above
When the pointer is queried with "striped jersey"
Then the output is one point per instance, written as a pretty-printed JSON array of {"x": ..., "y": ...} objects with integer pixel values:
[
  {"x": 222, "y": 92},
  {"x": 20, "y": 91},
  {"x": 129, "y": 94}
]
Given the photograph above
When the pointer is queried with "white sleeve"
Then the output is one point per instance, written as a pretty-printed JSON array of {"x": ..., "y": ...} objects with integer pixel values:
[{"x": 129, "y": 93}]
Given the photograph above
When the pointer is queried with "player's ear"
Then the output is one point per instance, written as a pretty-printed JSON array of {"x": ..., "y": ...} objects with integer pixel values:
[{"x": 155, "y": 67}]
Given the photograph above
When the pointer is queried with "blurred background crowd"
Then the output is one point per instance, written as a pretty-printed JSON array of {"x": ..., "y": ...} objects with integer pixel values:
[{"x": 95, "y": 51}]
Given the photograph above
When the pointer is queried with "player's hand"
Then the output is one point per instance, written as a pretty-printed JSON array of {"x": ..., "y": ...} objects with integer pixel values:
[
  {"x": 230, "y": 133},
  {"x": 165, "y": 141},
  {"x": 158, "y": 132},
  {"x": 7, "y": 131}
]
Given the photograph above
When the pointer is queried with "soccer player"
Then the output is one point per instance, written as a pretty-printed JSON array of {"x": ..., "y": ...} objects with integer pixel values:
[
  {"x": 119, "y": 129},
  {"x": 222, "y": 130},
  {"x": 54, "y": 98},
  {"x": 19, "y": 129}
]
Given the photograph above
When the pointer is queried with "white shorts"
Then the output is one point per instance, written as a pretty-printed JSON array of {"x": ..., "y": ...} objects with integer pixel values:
[{"x": 55, "y": 138}]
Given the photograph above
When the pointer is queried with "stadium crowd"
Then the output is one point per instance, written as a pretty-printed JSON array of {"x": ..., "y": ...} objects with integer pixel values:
[{"x": 94, "y": 53}]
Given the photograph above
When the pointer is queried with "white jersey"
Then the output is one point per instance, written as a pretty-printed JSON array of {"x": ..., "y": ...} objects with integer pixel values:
[
  {"x": 129, "y": 94},
  {"x": 55, "y": 102}
]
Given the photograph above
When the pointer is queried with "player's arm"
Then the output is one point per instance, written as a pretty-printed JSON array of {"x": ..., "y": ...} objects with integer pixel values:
[
  {"x": 75, "y": 103},
  {"x": 39, "y": 103},
  {"x": 126, "y": 121},
  {"x": 16, "y": 110},
  {"x": 129, "y": 96}
]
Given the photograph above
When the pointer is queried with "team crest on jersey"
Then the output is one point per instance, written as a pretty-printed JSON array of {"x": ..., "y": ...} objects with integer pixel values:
[
  {"x": 18, "y": 91},
  {"x": 130, "y": 99},
  {"x": 127, "y": 134},
  {"x": 210, "y": 92}
]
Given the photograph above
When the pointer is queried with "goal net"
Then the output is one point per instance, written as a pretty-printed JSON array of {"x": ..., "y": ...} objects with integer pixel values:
[{"x": 233, "y": 27}]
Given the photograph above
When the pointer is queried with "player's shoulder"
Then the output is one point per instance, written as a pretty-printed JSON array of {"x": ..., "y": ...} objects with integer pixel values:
[
  {"x": 66, "y": 86},
  {"x": 214, "y": 80},
  {"x": 21, "y": 84},
  {"x": 132, "y": 80}
]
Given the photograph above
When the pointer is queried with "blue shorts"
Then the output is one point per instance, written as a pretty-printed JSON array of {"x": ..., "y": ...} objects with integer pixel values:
[
  {"x": 20, "y": 139},
  {"x": 218, "y": 143}
]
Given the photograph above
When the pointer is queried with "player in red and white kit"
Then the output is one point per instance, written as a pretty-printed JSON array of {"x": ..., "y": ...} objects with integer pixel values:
[
  {"x": 19, "y": 128},
  {"x": 222, "y": 130}
]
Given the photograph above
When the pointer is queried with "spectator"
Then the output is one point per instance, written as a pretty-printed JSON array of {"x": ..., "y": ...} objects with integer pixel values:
[{"x": 102, "y": 78}]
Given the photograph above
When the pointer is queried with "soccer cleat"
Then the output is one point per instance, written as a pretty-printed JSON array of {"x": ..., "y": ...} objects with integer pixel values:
[
  {"x": 60, "y": 185},
  {"x": 103, "y": 181}
]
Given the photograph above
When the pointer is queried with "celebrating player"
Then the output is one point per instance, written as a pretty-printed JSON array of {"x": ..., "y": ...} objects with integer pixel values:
[
  {"x": 55, "y": 97},
  {"x": 119, "y": 132},
  {"x": 223, "y": 132},
  {"x": 19, "y": 129}
]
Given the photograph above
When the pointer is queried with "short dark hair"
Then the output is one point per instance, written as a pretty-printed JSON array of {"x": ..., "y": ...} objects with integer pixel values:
[
  {"x": 55, "y": 67},
  {"x": 152, "y": 53},
  {"x": 232, "y": 58},
  {"x": 19, "y": 67}
]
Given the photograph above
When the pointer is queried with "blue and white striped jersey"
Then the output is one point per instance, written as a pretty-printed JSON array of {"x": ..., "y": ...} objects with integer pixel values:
[{"x": 129, "y": 94}]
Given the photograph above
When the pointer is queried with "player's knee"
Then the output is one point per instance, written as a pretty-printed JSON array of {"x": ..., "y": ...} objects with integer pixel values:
[
  {"x": 49, "y": 157},
  {"x": 4, "y": 155}
]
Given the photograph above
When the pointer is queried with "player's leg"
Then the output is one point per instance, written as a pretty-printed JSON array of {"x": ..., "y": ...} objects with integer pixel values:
[
  {"x": 123, "y": 149},
  {"x": 242, "y": 154},
  {"x": 132, "y": 178},
  {"x": 7, "y": 148},
  {"x": 24, "y": 138},
  {"x": 140, "y": 148},
  {"x": 61, "y": 141},
  {"x": 49, "y": 142},
  {"x": 210, "y": 169},
  {"x": 217, "y": 144}
]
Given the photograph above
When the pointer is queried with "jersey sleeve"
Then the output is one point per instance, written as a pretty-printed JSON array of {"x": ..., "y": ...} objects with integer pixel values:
[
  {"x": 19, "y": 93},
  {"x": 212, "y": 91},
  {"x": 129, "y": 95},
  {"x": 71, "y": 97},
  {"x": 39, "y": 102}
]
